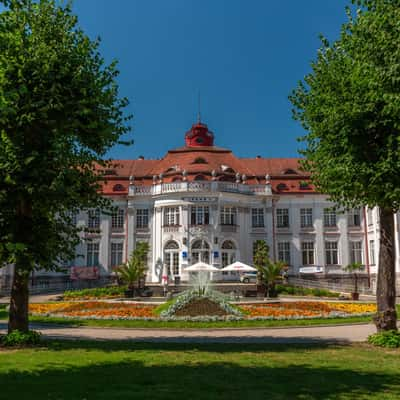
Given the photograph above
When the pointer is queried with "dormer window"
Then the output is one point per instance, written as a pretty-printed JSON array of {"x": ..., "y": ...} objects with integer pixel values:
[
  {"x": 118, "y": 188},
  {"x": 289, "y": 172},
  {"x": 227, "y": 168},
  {"x": 199, "y": 160}
]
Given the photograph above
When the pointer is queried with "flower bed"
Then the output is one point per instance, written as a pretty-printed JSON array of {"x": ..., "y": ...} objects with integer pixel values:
[
  {"x": 93, "y": 309},
  {"x": 307, "y": 309},
  {"x": 279, "y": 310}
]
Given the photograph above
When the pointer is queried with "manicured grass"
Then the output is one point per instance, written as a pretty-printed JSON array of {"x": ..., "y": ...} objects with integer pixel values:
[
  {"x": 197, "y": 324},
  {"x": 72, "y": 370}
]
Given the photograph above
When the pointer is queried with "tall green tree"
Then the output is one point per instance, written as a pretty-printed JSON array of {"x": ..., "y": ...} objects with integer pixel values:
[
  {"x": 60, "y": 112},
  {"x": 350, "y": 107}
]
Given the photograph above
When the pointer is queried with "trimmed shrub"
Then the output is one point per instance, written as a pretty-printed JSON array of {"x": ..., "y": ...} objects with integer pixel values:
[
  {"x": 95, "y": 293},
  {"x": 301, "y": 291},
  {"x": 18, "y": 338},
  {"x": 385, "y": 339}
]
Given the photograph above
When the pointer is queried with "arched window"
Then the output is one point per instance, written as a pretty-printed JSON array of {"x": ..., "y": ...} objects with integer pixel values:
[
  {"x": 200, "y": 178},
  {"x": 282, "y": 186},
  {"x": 171, "y": 245},
  {"x": 228, "y": 245},
  {"x": 199, "y": 160},
  {"x": 118, "y": 188},
  {"x": 171, "y": 257},
  {"x": 228, "y": 254},
  {"x": 200, "y": 251}
]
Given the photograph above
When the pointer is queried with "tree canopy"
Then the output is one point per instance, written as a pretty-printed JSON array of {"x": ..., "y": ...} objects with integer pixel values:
[
  {"x": 60, "y": 112},
  {"x": 350, "y": 107}
]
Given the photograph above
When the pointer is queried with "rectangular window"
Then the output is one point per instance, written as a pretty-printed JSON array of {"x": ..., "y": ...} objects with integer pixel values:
[
  {"x": 200, "y": 215},
  {"x": 284, "y": 252},
  {"x": 117, "y": 218},
  {"x": 331, "y": 253},
  {"x": 171, "y": 216},
  {"x": 94, "y": 219},
  {"x": 92, "y": 255},
  {"x": 142, "y": 218},
  {"x": 354, "y": 217},
  {"x": 257, "y": 217},
  {"x": 116, "y": 254},
  {"x": 329, "y": 217},
  {"x": 307, "y": 249},
  {"x": 306, "y": 217},
  {"x": 282, "y": 217},
  {"x": 356, "y": 252},
  {"x": 372, "y": 252},
  {"x": 228, "y": 215}
]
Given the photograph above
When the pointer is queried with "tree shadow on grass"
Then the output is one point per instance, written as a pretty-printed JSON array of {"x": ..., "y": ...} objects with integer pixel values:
[
  {"x": 132, "y": 379},
  {"x": 223, "y": 347}
]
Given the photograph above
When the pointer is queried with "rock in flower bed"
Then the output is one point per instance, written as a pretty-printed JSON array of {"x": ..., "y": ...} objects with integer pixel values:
[
  {"x": 191, "y": 304},
  {"x": 189, "y": 308}
]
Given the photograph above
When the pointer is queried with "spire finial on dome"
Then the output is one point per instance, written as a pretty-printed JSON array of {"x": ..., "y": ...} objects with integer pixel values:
[{"x": 198, "y": 112}]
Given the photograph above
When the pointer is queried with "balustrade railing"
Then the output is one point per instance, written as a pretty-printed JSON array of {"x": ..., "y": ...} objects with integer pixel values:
[{"x": 198, "y": 186}]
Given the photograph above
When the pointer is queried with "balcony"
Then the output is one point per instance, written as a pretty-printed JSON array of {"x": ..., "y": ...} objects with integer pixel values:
[
  {"x": 200, "y": 186},
  {"x": 171, "y": 228},
  {"x": 229, "y": 228}
]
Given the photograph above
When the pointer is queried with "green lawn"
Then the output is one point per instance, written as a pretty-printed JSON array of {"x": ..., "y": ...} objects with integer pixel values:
[
  {"x": 198, "y": 325},
  {"x": 123, "y": 370}
]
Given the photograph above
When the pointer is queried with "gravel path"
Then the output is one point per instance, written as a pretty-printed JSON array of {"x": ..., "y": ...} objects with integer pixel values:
[{"x": 325, "y": 334}]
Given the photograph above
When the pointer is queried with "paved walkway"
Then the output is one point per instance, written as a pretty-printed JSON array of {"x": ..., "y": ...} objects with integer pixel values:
[{"x": 326, "y": 334}]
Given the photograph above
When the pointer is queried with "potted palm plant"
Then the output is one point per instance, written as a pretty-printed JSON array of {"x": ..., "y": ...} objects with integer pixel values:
[
  {"x": 271, "y": 273},
  {"x": 354, "y": 268},
  {"x": 133, "y": 271}
]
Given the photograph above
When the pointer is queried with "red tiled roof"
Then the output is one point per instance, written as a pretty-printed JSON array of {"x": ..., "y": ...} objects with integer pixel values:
[{"x": 285, "y": 173}]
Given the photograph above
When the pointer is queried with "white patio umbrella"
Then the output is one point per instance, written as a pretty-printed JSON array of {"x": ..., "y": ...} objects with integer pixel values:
[
  {"x": 201, "y": 266},
  {"x": 239, "y": 266}
]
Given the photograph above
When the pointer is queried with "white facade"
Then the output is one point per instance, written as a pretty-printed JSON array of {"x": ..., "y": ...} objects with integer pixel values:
[{"x": 218, "y": 223}]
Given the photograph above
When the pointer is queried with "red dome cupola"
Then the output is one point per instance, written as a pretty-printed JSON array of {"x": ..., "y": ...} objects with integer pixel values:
[{"x": 199, "y": 136}]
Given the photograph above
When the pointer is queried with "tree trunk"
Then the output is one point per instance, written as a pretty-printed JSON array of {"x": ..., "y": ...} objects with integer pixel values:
[
  {"x": 19, "y": 301},
  {"x": 386, "y": 317}
]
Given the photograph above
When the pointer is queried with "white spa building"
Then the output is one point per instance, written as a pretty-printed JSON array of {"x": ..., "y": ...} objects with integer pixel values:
[{"x": 201, "y": 202}]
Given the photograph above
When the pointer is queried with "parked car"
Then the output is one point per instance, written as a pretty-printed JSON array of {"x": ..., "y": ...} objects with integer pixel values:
[{"x": 249, "y": 277}]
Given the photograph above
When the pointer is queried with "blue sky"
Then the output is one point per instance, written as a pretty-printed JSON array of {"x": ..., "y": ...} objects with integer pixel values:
[{"x": 245, "y": 57}]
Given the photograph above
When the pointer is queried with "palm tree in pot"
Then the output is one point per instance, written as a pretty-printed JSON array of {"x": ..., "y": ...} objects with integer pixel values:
[
  {"x": 271, "y": 273},
  {"x": 135, "y": 269},
  {"x": 354, "y": 268}
]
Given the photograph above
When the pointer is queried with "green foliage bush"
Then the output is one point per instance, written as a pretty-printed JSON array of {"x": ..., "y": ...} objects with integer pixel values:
[
  {"x": 385, "y": 339},
  {"x": 111, "y": 291},
  {"x": 18, "y": 338},
  {"x": 300, "y": 291}
]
